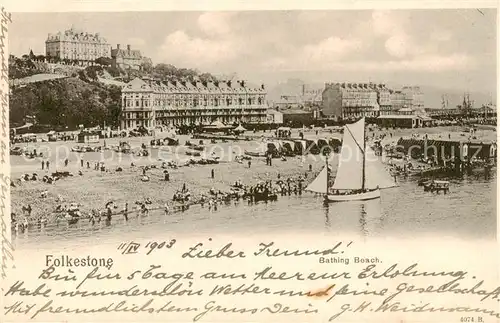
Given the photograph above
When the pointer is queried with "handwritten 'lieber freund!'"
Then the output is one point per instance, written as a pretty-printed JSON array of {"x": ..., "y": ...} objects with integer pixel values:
[{"x": 265, "y": 250}]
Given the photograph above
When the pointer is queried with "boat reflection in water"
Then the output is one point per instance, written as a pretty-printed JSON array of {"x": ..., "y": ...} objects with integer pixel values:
[{"x": 363, "y": 218}]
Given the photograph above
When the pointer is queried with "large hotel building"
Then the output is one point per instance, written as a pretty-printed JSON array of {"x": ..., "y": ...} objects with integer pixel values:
[
  {"x": 151, "y": 103},
  {"x": 355, "y": 100},
  {"x": 77, "y": 45}
]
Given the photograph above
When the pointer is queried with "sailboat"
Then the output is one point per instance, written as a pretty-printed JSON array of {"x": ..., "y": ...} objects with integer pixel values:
[{"x": 360, "y": 174}]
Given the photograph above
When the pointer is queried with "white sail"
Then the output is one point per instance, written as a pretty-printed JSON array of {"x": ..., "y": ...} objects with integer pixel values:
[
  {"x": 375, "y": 174},
  {"x": 350, "y": 170},
  {"x": 320, "y": 183}
]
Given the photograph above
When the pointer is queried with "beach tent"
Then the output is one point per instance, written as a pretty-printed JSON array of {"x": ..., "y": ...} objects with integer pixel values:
[
  {"x": 239, "y": 129},
  {"x": 217, "y": 124}
]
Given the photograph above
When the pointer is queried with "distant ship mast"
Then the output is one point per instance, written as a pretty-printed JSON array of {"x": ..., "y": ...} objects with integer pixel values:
[{"x": 444, "y": 101}]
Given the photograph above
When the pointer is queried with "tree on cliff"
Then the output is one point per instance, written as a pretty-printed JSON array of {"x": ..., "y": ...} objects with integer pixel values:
[
  {"x": 104, "y": 61},
  {"x": 66, "y": 102}
]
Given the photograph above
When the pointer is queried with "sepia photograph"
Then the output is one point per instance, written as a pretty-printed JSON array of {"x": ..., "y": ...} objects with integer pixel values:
[
  {"x": 360, "y": 121},
  {"x": 257, "y": 162}
]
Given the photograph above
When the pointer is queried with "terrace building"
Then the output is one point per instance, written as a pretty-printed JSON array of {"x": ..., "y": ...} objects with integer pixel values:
[
  {"x": 355, "y": 100},
  {"x": 352, "y": 100},
  {"x": 151, "y": 103}
]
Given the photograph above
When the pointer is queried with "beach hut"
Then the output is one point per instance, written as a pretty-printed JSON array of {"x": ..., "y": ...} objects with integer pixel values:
[
  {"x": 312, "y": 147},
  {"x": 274, "y": 147},
  {"x": 52, "y": 135},
  {"x": 321, "y": 143},
  {"x": 300, "y": 147},
  {"x": 288, "y": 148},
  {"x": 335, "y": 144},
  {"x": 88, "y": 137},
  {"x": 284, "y": 132}
]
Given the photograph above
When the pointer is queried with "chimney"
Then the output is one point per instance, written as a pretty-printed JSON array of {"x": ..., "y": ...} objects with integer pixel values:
[
  {"x": 262, "y": 87},
  {"x": 229, "y": 83},
  {"x": 117, "y": 46},
  {"x": 242, "y": 83},
  {"x": 128, "y": 48}
]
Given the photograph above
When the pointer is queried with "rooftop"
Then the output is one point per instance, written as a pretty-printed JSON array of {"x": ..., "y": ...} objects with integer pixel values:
[
  {"x": 150, "y": 85},
  {"x": 126, "y": 53},
  {"x": 294, "y": 111},
  {"x": 397, "y": 116},
  {"x": 76, "y": 35}
]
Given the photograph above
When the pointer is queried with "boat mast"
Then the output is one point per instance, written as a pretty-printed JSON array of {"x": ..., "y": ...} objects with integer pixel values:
[
  {"x": 364, "y": 159},
  {"x": 327, "y": 175}
]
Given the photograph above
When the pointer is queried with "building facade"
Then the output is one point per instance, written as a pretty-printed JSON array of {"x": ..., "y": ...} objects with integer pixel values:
[
  {"x": 353, "y": 100},
  {"x": 398, "y": 101},
  {"x": 77, "y": 45},
  {"x": 414, "y": 98},
  {"x": 127, "y": 58},
  {"x": 150, "y": 103},
  {"x": 274, "y": 117},
  {"x": 288, "y": 102},
  {"x": 297, "y": 118}
]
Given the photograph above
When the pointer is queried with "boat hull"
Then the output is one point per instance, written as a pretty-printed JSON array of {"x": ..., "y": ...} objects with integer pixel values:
[{"x": 370, "y": 195}]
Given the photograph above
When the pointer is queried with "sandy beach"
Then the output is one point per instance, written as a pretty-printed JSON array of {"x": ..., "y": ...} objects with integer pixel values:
[{"x": 93, "y": 189}]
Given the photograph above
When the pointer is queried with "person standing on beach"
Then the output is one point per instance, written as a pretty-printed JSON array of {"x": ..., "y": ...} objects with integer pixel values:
[
  {"x": 213, "y": 173},
  {"x": 125, "y": 212},
  {"x": 92, "y": 217},
  {"x": 81, "y": 162},
  {"x": 109, "y": 214},
  {"x": 249, "y": 163},
  {"x": 43, "y": 164},
  {"x": 48, "y": 164},
  {"x": 66, "y": 162},
  {"x": 166, "y": 209}
]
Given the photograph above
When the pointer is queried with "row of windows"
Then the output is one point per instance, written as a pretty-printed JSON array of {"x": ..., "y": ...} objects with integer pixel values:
[
  {"x": 146, "y": 115},
  {"x": 359, "y": 95},
  {"x": 194, "y": 103},
  {"x": 186, "y": 121},
  {"x": 189, "y": 96}
]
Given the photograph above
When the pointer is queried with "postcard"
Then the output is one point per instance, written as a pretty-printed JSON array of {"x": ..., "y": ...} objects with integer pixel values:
[{"x": 257, "y": 162}]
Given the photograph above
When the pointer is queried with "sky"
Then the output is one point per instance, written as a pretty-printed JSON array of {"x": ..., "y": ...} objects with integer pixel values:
[{"x": 447, "y": 48}]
